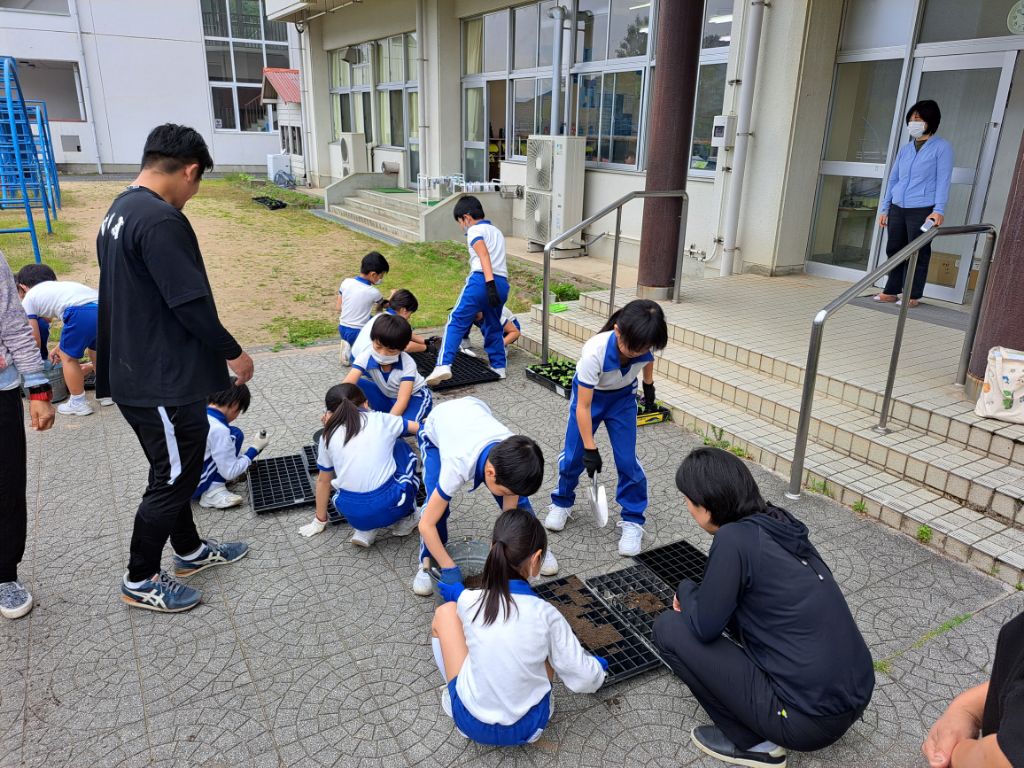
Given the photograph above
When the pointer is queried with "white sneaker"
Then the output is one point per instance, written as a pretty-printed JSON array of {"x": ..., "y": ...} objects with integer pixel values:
[
  {"x": 345, "y": 353},
  {"x": 500, "y": 372},
  {"x": 106, "y": 402},
  {"x": 406, "y": 525},
  {"x": 422, "y": 584},
  {"x": 556, "y": 517},
  {"x": 71, "y": 408},
  {"x": 219, "y": 497},
  {"x": 550, "y": 565},
  {"x": 632, "y": 533},
  {"x": 467, "y": 351},
  {"x": 15, "y": 600},
  {"x": 364, "y": 538},
  {"x": 439, "y": 374}
]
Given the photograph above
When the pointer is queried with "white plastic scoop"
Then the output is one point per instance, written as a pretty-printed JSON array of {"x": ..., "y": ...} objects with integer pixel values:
[{"x": 598, "y": 503}]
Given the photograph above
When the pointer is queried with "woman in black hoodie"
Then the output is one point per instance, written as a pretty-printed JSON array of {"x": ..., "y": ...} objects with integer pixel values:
[{"x": 796, "y": 673}]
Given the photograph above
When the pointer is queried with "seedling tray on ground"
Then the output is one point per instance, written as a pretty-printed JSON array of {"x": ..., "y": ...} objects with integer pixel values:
[
  {"x": 309, "y": 451},
  {"x": 555, "y": 376},
  {"x": 636, "y": 594},
  {"x": 270, "y": 202},
  {"x": 466, "y": 370},
  {"x": 279, "y": 483},
  {"x": 655, "y": 415},
  {"x": 674, "y": 562},
  {"x": 598, "y": 628}
]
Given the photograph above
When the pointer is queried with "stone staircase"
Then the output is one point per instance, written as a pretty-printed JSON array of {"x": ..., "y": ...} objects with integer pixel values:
[
  {"x": 942, "y": 467},
  {"x": 392, "y": 217}
]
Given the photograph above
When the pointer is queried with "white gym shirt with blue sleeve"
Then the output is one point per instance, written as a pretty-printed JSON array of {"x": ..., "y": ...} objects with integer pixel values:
[
  {"x": 366, "y": 461},
  {"x": 495, "y": 242},
  {"x": 599, "y": 366},
  {"x": 358, "y": 295},
  {"x": 461, "y": 429},
  {"x": 388, "y": 383}
]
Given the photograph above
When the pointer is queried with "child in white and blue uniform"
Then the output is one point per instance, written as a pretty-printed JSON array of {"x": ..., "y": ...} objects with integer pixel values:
[
  {"x": 388, "y": 375},
  {"x": 604, "y": 391},
  {"x": 510, "y": 330},
  {"x": 356, "y": 297},
  {"x": 461, "y": 442},
  {"x": 403, "y": 303},
  {"x": 367, "y": 472},
  {"x": 224, "y": 460},
  {"x": 499, "y": 647},
  {"x": 486, "y": 291}
]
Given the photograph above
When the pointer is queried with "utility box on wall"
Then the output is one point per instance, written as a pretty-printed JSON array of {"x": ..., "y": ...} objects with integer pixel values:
[{"x": 723, "y": 131}]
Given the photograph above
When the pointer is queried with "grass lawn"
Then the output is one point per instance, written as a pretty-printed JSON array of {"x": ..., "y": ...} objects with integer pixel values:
[{"x": 275, "y": 274}]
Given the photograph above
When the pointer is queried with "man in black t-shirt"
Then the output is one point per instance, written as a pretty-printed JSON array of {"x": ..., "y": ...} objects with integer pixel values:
[
  {"x": 161, "y": 351},
  {"x": 984, "y": 727}
]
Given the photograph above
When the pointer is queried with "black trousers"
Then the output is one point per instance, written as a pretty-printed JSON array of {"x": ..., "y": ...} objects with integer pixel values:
[
  {"x": 738, "y": 695},
  {"x": 903, "y": 226},
  {"x": 13, "y": 510},
  {"x": 174, "y": 440}
]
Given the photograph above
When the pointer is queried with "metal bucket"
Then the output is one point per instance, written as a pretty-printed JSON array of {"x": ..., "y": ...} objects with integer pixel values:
[
  {"x": 469, "y": 554},
  {"x": 55, "y": 373}
]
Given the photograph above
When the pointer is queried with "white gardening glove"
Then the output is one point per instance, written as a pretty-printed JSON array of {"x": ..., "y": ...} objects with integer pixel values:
[
  {"x": 312, "y": 528},
  {"x": 261, "y": 441}
]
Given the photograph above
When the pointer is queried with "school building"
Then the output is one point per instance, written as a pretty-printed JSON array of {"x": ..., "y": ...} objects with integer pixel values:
[
  {"x": 110, "y": 70},
  {"x": 443, "y": 87}
]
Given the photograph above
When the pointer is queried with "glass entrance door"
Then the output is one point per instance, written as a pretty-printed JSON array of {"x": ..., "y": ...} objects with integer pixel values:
[{"x": 971, "y": 90}]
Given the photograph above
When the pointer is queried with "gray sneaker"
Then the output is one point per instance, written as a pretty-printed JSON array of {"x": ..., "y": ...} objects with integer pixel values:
[{"x": 15, "y": 600}]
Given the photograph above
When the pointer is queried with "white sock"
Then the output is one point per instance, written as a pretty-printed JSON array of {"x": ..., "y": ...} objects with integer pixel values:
[
  {"x": 77, "y": 399},
  {"x": 194, "y": 555},
  {"x": 133, "y": 584},
  {"x": 435, "y": 646},
  {"x": 764, "y": 746}
]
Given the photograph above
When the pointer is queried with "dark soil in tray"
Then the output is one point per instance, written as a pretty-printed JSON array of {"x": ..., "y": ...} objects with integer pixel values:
[
  {"x": 576, "y": 610},
  {"x": 474, "y": 582}
]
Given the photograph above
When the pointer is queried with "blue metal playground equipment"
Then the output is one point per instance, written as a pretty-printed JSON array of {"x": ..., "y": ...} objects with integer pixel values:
[{"x": 28, "y": 172}]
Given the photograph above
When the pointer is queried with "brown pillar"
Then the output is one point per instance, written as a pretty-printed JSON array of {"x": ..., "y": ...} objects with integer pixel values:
[
  {"x": 668, "y": 139},
  {"x": 1002, "y": 321}
]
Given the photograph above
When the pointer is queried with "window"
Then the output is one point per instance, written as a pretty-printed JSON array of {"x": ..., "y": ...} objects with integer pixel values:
[
  {"x": 236, "y": 34},
  {"x": 524, "y": 49},
  {"x": 485, "y": 43},
  {"x": 296, "y": 148},
  {"x": 717, "y": 24},
  {"x": 710, "y": 97},
  {"x": 628, "y": 29},
  {"x": 524, "y": 113},
  {"x": 56, "y": 83},
  {"x": 608, "y": 114},
  {"x": 956, "y": 20},
  {"x": 36, "y": 6},
  {"x": 392, "y": 125}
]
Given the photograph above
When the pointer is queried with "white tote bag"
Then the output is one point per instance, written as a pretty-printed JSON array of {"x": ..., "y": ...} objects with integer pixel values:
[{"x": 1002, "y": 394}]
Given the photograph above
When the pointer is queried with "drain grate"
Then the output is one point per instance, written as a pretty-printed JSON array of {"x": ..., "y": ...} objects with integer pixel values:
[
  {"x": 636, "y": 594},
  {"x": 675, "y": 562},
  {"x": 309, "y": 451},
  {"x": 600, "y": 631},
  {"x": 279, "y": 483},
  {"x": 466, "y": 370}
]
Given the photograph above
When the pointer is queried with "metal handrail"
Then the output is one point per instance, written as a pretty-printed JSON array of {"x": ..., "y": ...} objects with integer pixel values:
[
  {"x": 907, "y": 254},
  {"x": 617, "y": 207}
]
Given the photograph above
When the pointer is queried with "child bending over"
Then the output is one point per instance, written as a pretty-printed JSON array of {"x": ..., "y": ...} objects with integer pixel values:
[
  {"x": 388, "y": 375},
  {"x": 403, "y": 303},
  {"x": 499, "y": 647},
  {"x": 356, "y": 298},
  {"x": 510, "y": 329}
]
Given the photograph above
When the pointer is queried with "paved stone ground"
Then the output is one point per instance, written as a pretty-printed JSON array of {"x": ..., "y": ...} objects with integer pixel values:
[{"x": 315, "y": 653}]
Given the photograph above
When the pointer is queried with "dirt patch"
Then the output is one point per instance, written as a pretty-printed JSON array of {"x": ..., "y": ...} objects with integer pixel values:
[
  {"x": 475, "y": 581},
  {"x": 579, "y": 604},
  {"x": 644, "y": 601}
]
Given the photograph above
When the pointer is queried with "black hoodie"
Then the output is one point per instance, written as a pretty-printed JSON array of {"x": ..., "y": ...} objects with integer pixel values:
[{"x": 767, "y": 583}]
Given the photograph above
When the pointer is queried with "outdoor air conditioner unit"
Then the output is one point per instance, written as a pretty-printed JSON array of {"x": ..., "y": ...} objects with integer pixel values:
[
  {"x": 277, "y": 163},
  {"x": 554, "y": 186},
  {"x": 353, "y": 154}
]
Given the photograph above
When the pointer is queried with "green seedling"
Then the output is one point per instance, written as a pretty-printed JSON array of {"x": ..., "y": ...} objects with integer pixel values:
[
  {"x": 716, "y": 439},
  {"x": 942, "y": 629},
  {"x": 924, "y": 534},
  {"x": 820, "y": 486},
  {"x": 737, "y": 450},
  {"x": 1020, "y": 586},
  {"x": 860, "y": 507},
  {"x": 883, "y": 666}
]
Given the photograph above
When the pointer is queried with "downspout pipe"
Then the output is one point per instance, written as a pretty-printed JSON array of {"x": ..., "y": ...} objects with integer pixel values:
[
  {"x": 558, "y": 14},
  {"x": 308, "y": 149},
  {"x": 421, "y": 65},
  {"x": 86, "y": 90},
  {"x": 751, "y": 47}
]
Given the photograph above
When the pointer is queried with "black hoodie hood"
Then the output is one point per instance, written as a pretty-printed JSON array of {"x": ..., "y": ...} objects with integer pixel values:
[{"x": 788, "y": 532}]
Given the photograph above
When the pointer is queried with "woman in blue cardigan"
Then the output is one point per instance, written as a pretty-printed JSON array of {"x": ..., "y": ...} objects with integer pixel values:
[{"x": 917, "y": 192}]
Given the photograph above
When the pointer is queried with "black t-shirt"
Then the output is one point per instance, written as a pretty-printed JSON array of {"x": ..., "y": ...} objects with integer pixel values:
[
  {"x": 1004, "y": 706},
  {"x": 160, "y": 342}
]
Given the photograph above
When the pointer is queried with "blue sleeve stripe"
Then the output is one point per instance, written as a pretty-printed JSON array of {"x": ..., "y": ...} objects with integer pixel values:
[
  {"x": 585, "y": 385},
  {"x": 358, "y": 367},
  {"x": 322, "y": 468},
  {"x": 475, "y": 240},
  {"x": 251, "y": 452},
  {"x": 442, "y": 494},
  {"x": 408, "y": 378}
]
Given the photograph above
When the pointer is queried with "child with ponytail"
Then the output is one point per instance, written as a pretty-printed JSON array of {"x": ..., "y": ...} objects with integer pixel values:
[
  {"x": 366, "y": 469},
  {"x": 401, "y": 302},
  {"x": 498, "y": 647}
]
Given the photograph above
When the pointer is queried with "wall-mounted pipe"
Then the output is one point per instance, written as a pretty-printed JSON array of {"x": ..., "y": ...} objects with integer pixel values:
[{"x": 558, "y": 14}]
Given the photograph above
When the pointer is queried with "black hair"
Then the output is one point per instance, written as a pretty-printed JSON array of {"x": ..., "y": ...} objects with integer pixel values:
[
  {"x": 720, "y": 482},
  {"x": 401, "y": 299},
  {"x": 236, "y": 394},
  {"x": 391, "y": 331},
  {"x": 373, "y": 262},
  {"x": 518, "y": 534},
  {"x": 929, "y": 112},
  {"x": 170, "y": 147},
  {"x": 469, "y": 206},
  {"x": 518, "y": 464},
  {"x": 342, "y": 402},
  {"x": 32, "y": 275},
  {"x": 641, "y": 324}
]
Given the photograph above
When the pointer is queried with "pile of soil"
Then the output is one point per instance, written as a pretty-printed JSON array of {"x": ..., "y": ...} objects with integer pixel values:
[
  {"x": 574, "y": 603},
  {"x": 644, "y": 601},
  {"x": 476, "y": 581}
]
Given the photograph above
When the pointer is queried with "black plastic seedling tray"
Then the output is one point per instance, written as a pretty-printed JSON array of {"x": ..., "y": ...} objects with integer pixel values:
[
  {"x": 270, "y": 202},
  {"x": 309, "y": 451},
  {"x": 279, "y": 483},
  {"x": 466, "y": 370},
  {"x": 599, "y": 630},
  {"x": 674, "y": 562},
  {"x": 545, "y": 376},
  {"x": 636, "y": 594}
]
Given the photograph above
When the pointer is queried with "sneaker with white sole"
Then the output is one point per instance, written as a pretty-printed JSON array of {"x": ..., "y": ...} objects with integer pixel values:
[
  {"x": 106, "y": 402},
  {"x": 71, "y": 408},
  {"x": 439, "y": 374},
  {"x": 214, "y": 553},
  {"x": 15, "y": 600},
  {"x": 466, "y": 350},
  {"x": 163, "y": 594},
  {"x": 550, "y": 565},
  {"x": 345, "y": 353},
  {"x": 710, "y": 740},
  {"x": 364, "y": 538},
  {"x": 422, "y": 584},
  {"x": 556, "y": 517},
  {"x": 406, "y": 525},
  {"x": 500, "y": 371},
  {"x": 219, "y": 497},
  {"x": 629, "y": 542}
]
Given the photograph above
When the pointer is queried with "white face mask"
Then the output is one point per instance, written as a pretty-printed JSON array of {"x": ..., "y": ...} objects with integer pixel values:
[
  {"x": 916, "y": 128},
  {"x": 385, "y": 359}
]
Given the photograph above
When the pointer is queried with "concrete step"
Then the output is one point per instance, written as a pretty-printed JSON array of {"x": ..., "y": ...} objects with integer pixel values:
[
  {"x": 393, "y": 201},
  {"x": 374, "y": 225},
  {"x": 951, "y": 422},
  {"x": 387, "y": 215},
  {"x": 963, "y": 533},
  {"x": 971, "y": 478}
]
